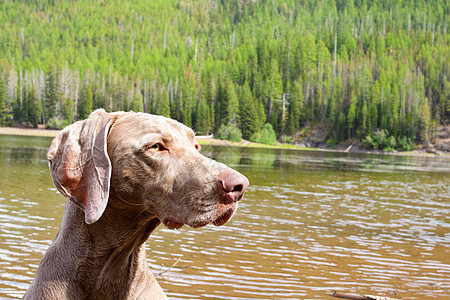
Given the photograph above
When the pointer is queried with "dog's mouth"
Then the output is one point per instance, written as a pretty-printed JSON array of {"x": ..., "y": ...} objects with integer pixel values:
[
  {"x": 171, "y": 223},
  {"x": 225, "y": 216},
  {"x": 221, "y": 216}
]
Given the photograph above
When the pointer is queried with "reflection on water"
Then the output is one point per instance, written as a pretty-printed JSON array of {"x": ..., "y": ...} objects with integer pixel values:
[
  {"x": 322, "y": 160},
  {"x": 311, "y": 223}
]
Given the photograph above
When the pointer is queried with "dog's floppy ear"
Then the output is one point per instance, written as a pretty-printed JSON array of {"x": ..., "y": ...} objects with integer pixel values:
[{"x": 80, "y": 165}]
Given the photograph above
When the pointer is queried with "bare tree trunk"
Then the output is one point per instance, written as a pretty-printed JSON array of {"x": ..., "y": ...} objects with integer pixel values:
[
  {"x": 196, "y": 46},
  {"x": 165, "y": 38},
  {"x": 75, "y": 100},
  {"x": 335, "y": 57},
  {"x": 145, "y": 97},
  {"x": 288, "y": 61},
  {"x": 132, "y": 50},
  {"x": 41, "y": 88}
]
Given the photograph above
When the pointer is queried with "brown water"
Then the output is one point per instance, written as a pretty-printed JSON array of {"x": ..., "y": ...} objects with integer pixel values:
[{"x": 311, "y": 223}]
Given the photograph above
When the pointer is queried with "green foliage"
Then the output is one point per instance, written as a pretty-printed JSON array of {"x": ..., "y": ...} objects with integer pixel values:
[
  {"x": 286, "y": 139},
  {"x": 68, "y": 111},
  {"x": 405, "y": 144},
  {"x": 359, "y": 67},
  {"x": 381, "y": 140},
  {"x": 53, "y": 94},
  {"x": 85, "y": 103},
  {"x": 227, "y": 103},
  {"x": 57, "y": 123},
  {"x": 265, "y": 136},
  {"x": 247, "y": 107},
  {"x": 229, "y": 132},
  {"x": 4, "y": 110},
  {"x": 332, "y": 143},
  {"x": 163, "y": 107},
  {"x": 376, "y": 141},
  {"x": 391, "y": 143},
  {"x": 30, "y": 108},
  {"x": 202, "y": 118}
]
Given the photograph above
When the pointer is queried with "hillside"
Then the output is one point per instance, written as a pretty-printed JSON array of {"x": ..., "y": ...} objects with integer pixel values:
[{"x": 363, "y": 68}]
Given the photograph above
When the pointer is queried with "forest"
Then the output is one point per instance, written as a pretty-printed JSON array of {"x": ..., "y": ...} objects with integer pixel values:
[{"x": 371, "y": 70}]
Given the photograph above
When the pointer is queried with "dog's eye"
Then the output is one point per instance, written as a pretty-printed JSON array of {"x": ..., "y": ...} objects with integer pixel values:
[{"x": 156, "y": 147}]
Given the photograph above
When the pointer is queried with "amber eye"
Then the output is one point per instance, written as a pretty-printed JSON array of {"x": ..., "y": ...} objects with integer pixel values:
[
  {"x": 197, "y": 146},
  {"x": 156, "y": 147}
]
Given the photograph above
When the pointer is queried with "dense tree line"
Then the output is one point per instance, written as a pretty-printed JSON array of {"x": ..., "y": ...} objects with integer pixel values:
[{"x": 368, "y": 69}]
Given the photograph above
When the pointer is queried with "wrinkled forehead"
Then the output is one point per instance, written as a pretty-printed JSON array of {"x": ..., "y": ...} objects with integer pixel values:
[{"x": 140, "y": 127}]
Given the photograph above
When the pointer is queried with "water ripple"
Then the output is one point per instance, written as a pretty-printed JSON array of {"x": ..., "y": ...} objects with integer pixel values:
[{"x": 309, "y": 224}]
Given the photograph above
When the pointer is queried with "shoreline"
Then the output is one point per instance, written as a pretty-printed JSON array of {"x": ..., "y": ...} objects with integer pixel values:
[
  {"x": 28, "y": 131},
  {"x": 203, "y": 140}
]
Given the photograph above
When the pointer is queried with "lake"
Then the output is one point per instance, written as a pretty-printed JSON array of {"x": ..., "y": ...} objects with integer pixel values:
[{"x": 311, "y": 223}]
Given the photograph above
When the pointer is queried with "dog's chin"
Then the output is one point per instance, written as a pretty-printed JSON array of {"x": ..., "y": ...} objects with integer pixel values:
[
  {"x": 172, "y": 223},
  {"x": 225, "y": 216},
  {"x": 218, "y": 217}
]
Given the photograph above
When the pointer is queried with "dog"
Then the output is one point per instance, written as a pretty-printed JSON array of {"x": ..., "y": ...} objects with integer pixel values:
[{"x": 123, "y": 174}]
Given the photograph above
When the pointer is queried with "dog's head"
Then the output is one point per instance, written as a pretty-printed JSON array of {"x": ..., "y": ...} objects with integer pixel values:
[{"x": 147, "y": 161}]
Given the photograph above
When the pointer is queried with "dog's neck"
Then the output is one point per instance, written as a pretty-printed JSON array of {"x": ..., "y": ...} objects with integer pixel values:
[
  {"x": 112, "y": 248},
  {"x": 127, "y": 226}
]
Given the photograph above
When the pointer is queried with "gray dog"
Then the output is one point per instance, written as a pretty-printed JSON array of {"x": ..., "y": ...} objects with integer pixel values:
[{"x": 123, "y": 175}]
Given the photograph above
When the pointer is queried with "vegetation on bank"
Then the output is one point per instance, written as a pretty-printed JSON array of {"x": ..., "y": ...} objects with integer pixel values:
[{"x": 376, "y": 70}]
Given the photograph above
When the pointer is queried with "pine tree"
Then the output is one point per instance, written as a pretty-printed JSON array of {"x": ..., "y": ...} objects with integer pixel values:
[
  {"x": 351, "y": 115},
  {"x": 247, "y": 112},
  {"x": 202, "y": 121},
  {"x": 227, "y": 104},
  {"x": 85, "y": 103},
  {"x": 341, "y": 127},
  {"x": 273, "y": 94},
  {"x": 53, "y": 95},
  {"x": 137, "y": 104},
  {"x": 444, "y": 102},
  {"x": 364, "y": 127},
  {"x": 31, "y": 108},
  {"x": 233, "y": 102},
  {"x": 332, "y": 118},
  {"x": 163, "y": 107},
  {"x": 68, "y": 111},
  {"x": 4, "y": 109},
  {"x": 294, "y": 109},
  {"x": 424, "y": 122}
]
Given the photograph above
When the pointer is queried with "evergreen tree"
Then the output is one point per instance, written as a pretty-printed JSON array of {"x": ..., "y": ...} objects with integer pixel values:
[
  {"x": 85, "y": 103},
  {"x": 202, "y": 121},
  {"x": 137, "y": 105},
  {"x": 294, "y": 109},
  {"x": 351, "y": 114},
  {"x": 363, "y": 128},
  {"x": 53, "y": 94},
  {"x": 31, "y": 108},
  {"x": 332, "y": 118},
  {"x": 274, "y": 95},
  {"x": 4, "y": 109},
  {"x": 247, "y": 112},
  {"x": 163, "y": 107},
  {"x": 68, "y": 111},
  {"x": 424, "y": 122},
  {"x": 341, "y": 127},
  {"x": 227, "y": 105}
]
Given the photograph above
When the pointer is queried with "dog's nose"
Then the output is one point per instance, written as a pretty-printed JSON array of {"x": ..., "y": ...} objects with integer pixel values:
[{"x": 234, "y": 184}]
